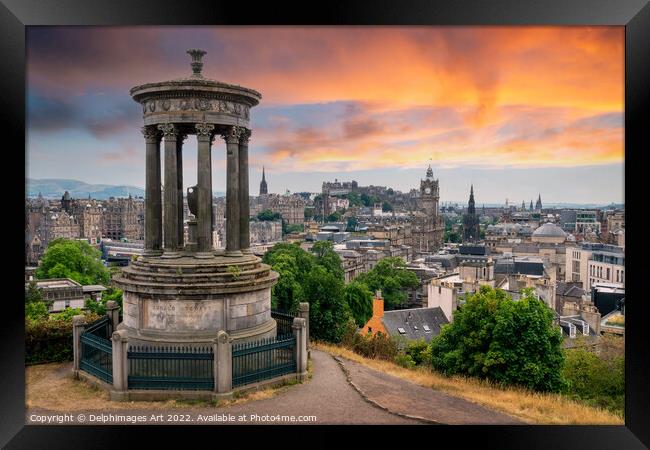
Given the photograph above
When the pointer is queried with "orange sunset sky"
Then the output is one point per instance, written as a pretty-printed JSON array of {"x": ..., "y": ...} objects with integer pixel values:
[{"x": 515, "y": 110}]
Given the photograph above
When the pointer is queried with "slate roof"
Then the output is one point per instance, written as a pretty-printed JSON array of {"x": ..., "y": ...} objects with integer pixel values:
[
  {"x": 569, "y": 290},
  {"x": 409, "y": 319}
]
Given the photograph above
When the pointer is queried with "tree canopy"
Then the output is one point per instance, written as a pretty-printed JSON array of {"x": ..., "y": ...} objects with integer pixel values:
[
  {"x": 77, "y": 260},
  {"x": 392, "y": 278},
  {"x": 359, "y": 299},
  {"x": 316, "y": 278},
  {"x": 506, "y": 341},
  {"x": 268, "y": 215}
]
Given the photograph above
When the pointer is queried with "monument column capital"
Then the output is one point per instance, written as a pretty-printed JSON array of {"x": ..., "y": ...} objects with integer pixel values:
[
  {"x": 169, "y": 131},
  {"x": 204, "y": 131},
  {"x": 151, "y": 134},
  {"x": 231, "y": 134},
  {"x": 245, "y": 136}
]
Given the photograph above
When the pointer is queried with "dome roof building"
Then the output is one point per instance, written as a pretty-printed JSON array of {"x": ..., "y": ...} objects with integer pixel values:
[{"x": 549, "y": 233}]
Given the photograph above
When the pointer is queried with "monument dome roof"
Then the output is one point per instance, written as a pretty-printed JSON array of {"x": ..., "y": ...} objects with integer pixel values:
[{"x": 549, "y": 230}]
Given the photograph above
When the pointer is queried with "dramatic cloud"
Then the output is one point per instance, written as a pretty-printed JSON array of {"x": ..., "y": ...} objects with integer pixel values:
[{"x": 343, "y": 99}]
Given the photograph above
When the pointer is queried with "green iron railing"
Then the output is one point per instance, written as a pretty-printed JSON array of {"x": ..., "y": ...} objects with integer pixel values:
[
  {"x": 176, "y": 367},
  {"x": 284, "y": 323},
  {"x": 97, "y": 350},
  {"x": 262, "y": 360}
]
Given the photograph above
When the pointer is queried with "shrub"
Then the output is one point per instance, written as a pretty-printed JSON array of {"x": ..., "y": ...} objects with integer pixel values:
[
  {"x": 505, "y": 341},
  {"x": 598, "y": 380},
  {"x": 379, "y": 345},
  {"x": 404, "y": 360},
  {"x": 50, "y": 339}
]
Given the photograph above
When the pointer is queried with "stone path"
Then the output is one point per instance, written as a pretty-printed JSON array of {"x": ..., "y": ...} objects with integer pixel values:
[
  {"x": 408, "y": 399},
  {"x": 340, "y": 392}
]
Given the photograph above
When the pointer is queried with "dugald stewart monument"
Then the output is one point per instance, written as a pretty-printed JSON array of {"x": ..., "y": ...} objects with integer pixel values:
[{"x": 181, "y": 292}]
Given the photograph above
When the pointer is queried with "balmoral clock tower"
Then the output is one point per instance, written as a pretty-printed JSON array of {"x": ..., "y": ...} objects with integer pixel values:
[{"x": 429, "y": 194}]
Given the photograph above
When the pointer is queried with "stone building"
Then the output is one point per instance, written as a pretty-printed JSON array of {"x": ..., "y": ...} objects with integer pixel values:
[
  {"x": 595, "y": 263},
  {"x": 265, "y": 231},
  {"x": 60, "y": 225},
  {"x": 122, "y": 219},
  {"x": 290, "y": 207},
  {"x": 90, "y": 215}
]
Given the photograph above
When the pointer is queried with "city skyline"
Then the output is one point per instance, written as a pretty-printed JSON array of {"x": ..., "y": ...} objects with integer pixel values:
[{"x": 513, "y": 110}]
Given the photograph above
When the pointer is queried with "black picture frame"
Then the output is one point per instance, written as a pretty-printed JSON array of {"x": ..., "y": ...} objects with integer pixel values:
[{"x": 15, "y": 15}]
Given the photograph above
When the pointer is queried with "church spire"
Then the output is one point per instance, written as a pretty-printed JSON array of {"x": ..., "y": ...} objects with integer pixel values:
[
  {"x": 263, "y": 186},
  {"x": 470, "y": 205}
]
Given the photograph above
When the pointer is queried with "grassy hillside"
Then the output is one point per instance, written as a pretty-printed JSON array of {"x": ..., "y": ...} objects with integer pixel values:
[{"x": 531, "y": 407}]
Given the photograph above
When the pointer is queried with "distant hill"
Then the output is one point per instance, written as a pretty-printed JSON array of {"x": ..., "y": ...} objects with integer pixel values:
[{"x": 55, "y": 187}]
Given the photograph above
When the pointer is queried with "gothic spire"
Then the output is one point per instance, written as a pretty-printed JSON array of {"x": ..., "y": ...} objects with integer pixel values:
[{"x": 429, "y": 172}]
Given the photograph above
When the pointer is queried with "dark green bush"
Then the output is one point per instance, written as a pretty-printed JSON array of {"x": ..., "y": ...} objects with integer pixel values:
[
  {"x": 379, "y": 345},
  {"x": 50, "y": 339}
]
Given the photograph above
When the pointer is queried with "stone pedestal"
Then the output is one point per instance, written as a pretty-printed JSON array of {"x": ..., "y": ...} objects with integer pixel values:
[{"x": 188, "y": 300}]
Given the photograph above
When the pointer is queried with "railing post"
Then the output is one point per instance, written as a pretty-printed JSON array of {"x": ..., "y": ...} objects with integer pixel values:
[
  {"x": 120, "y": 365},
  {"x": 299, "y": 331},
  {"x": 222, "y": 346},
  {"x": 78, "y": 326},
  {"x": 303, "y": 312},
  {"x": 113, "y": 313}
]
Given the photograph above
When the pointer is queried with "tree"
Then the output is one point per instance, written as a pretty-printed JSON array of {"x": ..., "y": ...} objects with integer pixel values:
[
  {"x": 505, "y": 341},
  {"x": 359, "y": 299},
  {"x": 452, "y": 236},
  {"x": 328, "y": 312},
  {"x": 35, "y": 311},
  {"x": 352, "y": 224},
  {"x": 33, "y": 293},
  {"x": 385, "y": 207},
  {"x": 268, "y": 215},
  {"x": 354, "y": 199},
  {"x": 73, "y": 259},
  {"x": 335, "y": 216},
  {"x": 392, "y": 278},
  {"x": 328, "y": 258}
]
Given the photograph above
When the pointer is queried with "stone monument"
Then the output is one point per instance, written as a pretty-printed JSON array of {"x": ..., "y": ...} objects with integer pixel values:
[{"x": 186, "y": 292}]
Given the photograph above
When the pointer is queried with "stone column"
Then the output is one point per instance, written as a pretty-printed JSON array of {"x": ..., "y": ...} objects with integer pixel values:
[
  {"x": 231, "y": 136},
  {"x": 244, "y": 201},
  {"x": 113, "y": 313},
  {"x": 171, "y": 195},
  {"x": 222, "y": 363},
  {"x": 299, "y": 327},
  {"x": 179, "y": 174},
  {"x": 303, "y": 313},
  {"x": 78, "y": 326},
  {"x": 153, "y": 201},
  {"x": 120, "y": 364},
  {"x": 204, "y": 135}
]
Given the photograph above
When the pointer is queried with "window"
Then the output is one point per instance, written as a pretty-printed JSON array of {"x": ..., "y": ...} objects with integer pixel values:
[
  {"x": 401, "y": 330},
  {"x": 415, "y": 327},
  {"x": 607, "y": 274},
  {"x": 426, "y": 328},
  {"x": 369, "y": 330}
]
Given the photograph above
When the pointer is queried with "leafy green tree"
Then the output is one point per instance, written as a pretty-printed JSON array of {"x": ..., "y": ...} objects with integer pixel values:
[
  {"x": 99, "y": 307},
  {"x": 352, "y": 224},
  {"x": 392, "y": 278},
  {"x": 328, "y": 312},
  {"x": 67, "y": 314},
  {"x": 328, "y": 258},
  {"x": 385, "y": 207},
  {"x": 359, "y": 299},
  {"x": 33, "y": 293},
  {"x": 506, "y": 341},
  {"x": 354, "y": 199},
  {"x": 452, "y": 236},
  {"x": 73, "y": 259},
  {"x": 35, "y": 311},
  {"x": 335, "y": 216},
  {"x": 293, "y": 228},
  {"x": 268, "y": 215}
]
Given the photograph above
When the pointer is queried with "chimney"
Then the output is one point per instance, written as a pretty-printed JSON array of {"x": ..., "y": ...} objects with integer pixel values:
[{"x": 378, "y": 305}]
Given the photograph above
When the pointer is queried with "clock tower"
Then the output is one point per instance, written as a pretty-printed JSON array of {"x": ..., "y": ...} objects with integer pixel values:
[{"x": 429, "y": 194}]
